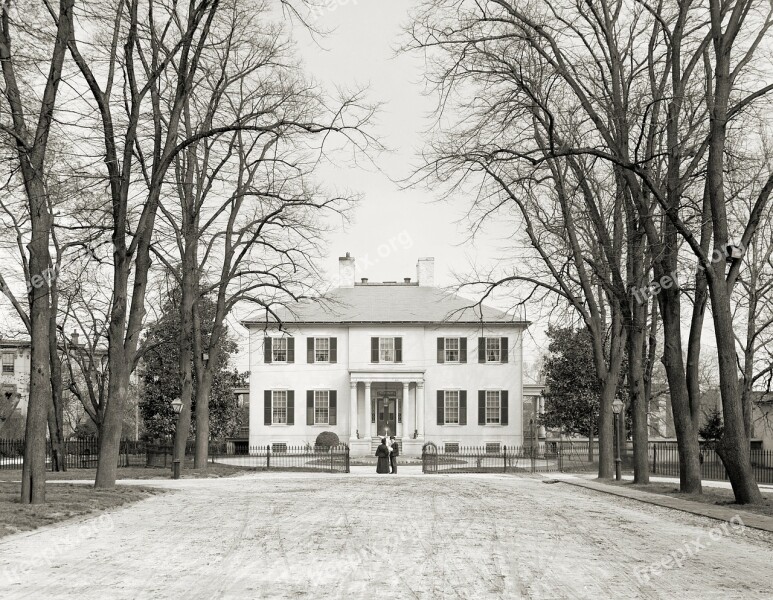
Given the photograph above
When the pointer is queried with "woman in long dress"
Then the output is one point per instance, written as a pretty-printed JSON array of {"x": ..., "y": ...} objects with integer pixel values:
[{"x": 382, "y": 453}]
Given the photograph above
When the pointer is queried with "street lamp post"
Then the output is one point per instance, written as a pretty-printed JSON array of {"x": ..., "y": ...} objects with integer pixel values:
[
  {"x": 177, "y": 407},
  {"x": 617, "y": 408}
]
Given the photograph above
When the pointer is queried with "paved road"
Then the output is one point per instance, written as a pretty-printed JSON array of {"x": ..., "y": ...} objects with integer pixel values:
[{"x": 283, "y": 535}]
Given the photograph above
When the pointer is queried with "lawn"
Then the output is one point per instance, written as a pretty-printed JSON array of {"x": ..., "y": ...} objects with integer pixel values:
[
  {"x": 212, "y": 470},
  {"x": 63, "y": 502},
  {"x": 710, "y": 495}
]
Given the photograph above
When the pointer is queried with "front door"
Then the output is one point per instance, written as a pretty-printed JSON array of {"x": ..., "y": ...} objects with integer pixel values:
[{"x": 386, "y": 415}]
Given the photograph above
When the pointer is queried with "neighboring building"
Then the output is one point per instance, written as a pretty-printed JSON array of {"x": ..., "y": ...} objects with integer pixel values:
[
  {"x": 405, "y": 359},
  {"x": 14, "y": 385}
]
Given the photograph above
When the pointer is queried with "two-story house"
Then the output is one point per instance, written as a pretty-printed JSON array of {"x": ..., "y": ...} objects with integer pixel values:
[{"x": 406, "y": 359}]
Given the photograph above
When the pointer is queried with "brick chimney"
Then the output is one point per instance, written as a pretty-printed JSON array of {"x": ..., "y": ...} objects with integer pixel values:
[
  {"x": 346, "y": 271},
  {"x": 74, "y": 338},
  {"x": 425, "y": 272}
]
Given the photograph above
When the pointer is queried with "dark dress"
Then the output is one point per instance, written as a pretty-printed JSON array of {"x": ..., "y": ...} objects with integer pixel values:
[
  {"x": 382, "y": 453},
  {"x": 393, "y": 456}
]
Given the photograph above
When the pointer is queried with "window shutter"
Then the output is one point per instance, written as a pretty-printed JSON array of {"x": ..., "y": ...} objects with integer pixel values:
[
  {"x": 441, "y": 408},
  {"x": 503, "y": 350},
  {"x": 291, "y": 407},
  {"x": 463, "y": 407},
  {"x": 267, "y": 349},
  {"x": 290, "y": 350},
  {"x": 267, "y": 407},
  {"x": 463, "y": 350},
  {"x": 481, "y": 350},
  {"x": 503, "y": 404},
  {"x": 481, "y": 407},
  {"x": 333, "y": 350},
  {"x": 310, "y": 350},
  {"x": 309, "y": 407},
  {"x": 441, "y": 350},
  {"x": 333, "y": 407},
  {"x": 398, "y": 349},
  {"x": 374, "y": 349}
]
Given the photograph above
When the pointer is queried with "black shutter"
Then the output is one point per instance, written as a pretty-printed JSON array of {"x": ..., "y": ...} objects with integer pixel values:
[
  {"x": 290, "y": 350},
  {"x": 310, "y": 350},
  {"x": 463, "y": 407},
  {"x": 291, "y": 407},
  {"x": 309, "y": 407},
  {"x": 374, "y": 349},
  {"x": 463, "y": 350},
  {"x": 481, "y": 407},
  {"x": 504, "y": 407},
  {"x": 503, "y": 350},
  {"x": 333, "y": 350},
  {"x": 481, "y": 350},
  {"x": 441, "y": 414},
  {"x": 333, "y": 407},
  {"x": 398, "y": 349},
  {"x": 267, "y": 407},
  {"x": 441, "y": 350},
  {"x": 267, "y": 349}
]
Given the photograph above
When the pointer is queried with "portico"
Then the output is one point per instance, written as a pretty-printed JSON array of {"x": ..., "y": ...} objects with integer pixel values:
[{"x": 386, "y": 403}]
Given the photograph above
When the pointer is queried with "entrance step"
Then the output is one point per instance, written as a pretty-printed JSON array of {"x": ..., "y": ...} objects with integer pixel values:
[{"x": 376, "y": 441}]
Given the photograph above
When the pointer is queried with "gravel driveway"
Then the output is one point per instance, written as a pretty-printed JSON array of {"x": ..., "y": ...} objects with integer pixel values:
[{"x": 357, "y": 536}]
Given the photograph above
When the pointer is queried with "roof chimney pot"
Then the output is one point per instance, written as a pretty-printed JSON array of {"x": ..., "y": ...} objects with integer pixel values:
[
  {"x": 346, "y": 271},
  {"x": 425, "y": 272}
]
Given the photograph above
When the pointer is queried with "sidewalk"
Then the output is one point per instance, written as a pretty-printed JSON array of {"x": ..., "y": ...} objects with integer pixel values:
[{"x": 721, "y": 513}]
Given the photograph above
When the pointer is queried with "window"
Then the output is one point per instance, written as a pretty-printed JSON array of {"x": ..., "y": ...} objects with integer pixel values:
[
  {"x": 279, "y": 407},
  {"x": 321, "y": 407},
  {"x": 279, "y": 349},
  {"x": 493, "y": 350},
  {"x": 452, "y": 447},
  {"x": 492, "y": 407},
  {"x": 452, "y": 349},
  {"x": 278, "y": 448},
  {"x": 493, "y": 448},
  {"x": 322, "y": 349},
  {"x": 8, "y": 362},
  {"x": 386, "y": 349},
  {"x": 451, "y": 407}
]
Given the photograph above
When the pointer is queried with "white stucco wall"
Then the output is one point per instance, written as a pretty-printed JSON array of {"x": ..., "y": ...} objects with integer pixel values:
[{"x": 419, "y": 355}]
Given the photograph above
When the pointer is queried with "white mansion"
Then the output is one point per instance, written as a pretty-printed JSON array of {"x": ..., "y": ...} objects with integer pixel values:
[{"x": 405, "y": 359}]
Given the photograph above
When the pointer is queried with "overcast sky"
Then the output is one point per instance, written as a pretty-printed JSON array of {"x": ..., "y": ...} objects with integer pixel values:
[{"x": 391, "y": 227}]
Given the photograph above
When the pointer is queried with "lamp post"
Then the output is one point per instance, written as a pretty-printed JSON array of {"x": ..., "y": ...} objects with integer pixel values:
[
  {"x": 617, "y": 408},
  {"x": 177, "y": 407}
]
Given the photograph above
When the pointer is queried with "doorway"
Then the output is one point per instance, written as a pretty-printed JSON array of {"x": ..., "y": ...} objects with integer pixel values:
[{"x": 387, "y": 412}]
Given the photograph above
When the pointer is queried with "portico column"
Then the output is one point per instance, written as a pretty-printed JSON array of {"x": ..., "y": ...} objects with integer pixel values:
[
  {"x": 368, "y": 411},
  {"x": 420, "y": 409},
  {"x": 401, "y": 426},
  {"x": 353, "y": 410}
]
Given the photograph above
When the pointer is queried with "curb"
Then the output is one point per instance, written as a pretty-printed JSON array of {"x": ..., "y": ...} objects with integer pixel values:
[{"x": 750, "y": 519}]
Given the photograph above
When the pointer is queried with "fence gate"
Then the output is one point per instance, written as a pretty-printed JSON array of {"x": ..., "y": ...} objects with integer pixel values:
[{"x": 429, "y": 458}]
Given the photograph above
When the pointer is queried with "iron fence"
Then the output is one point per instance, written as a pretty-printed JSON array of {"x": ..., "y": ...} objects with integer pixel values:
[
  {"x": 80, "y": 453},
  {"x": 664, "y": 461},
  {"x": 538, "y": 458},
  {"x": 287, "y": 458}
]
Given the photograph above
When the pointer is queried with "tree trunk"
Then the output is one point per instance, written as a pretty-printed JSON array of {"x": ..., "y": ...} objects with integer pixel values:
[
  {"x": 686, "y": 430},
  {"x": 33, "y": 484},
  {"x": 733, "y": 448},
  {"x": 203, "y": 391},
  {"x": 638, "y": 402}
]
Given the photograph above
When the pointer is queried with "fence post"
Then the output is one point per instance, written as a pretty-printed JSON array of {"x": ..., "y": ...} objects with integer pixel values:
[
  {"x": 332, "y": 455},
  {"x": 654, "y": 458},
  {"x": 347, "y": 459},
  {"x": 560, "y": 457},
  {"x": 504, "y": 458},
  {"x": 268, "y": 457}
]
